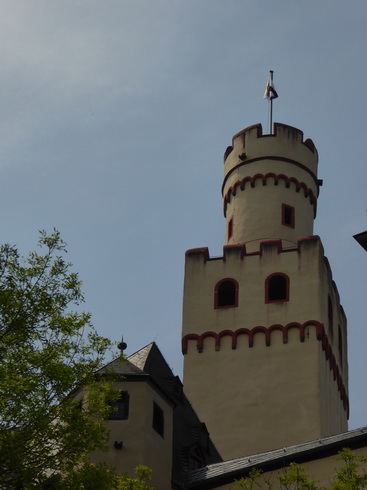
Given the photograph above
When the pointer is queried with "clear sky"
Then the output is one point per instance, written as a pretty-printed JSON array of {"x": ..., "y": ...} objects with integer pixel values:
[{"x": 115, "y": 115}]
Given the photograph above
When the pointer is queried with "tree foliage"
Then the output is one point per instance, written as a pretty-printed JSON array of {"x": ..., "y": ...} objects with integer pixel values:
[
  {"x": 351, "y": 476},
  {"x": 48, "y": 349},
  {"x": 101, "y": 477}
]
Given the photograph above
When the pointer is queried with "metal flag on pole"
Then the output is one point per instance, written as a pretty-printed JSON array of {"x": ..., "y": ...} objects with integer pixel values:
[{"x": 270, "y": 94}]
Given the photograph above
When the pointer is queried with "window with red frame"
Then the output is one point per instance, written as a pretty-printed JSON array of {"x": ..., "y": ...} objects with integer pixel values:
[
  {"x": 288, "y": 215},
  {"x": 277, "y": 288},
  {"x": 226, "y": 294}
]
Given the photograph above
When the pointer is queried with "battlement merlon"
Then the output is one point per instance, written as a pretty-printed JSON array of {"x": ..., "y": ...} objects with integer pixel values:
[
  {"x": 304, "y": 244},
  {"x": 286, "y": 143}
]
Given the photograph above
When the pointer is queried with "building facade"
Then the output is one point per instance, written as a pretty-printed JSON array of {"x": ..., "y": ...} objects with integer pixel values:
[{"x": 264, "y": 334}]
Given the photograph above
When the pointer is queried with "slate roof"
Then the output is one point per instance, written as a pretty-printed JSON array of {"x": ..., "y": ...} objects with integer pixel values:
[
  {"x": 123, "y": 367},
  {"x": 221, "y": 473}
]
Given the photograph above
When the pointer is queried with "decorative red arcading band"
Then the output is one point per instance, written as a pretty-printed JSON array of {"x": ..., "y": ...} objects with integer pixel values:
[
  {"x": 274, "y": 158},
  {"x": 320, "y": 335},
  {"x": 308, "y": 193}
]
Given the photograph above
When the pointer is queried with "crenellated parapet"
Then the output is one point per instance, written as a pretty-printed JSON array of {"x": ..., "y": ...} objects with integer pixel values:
[
  {"x": 303, "y": 244},
  {"x": 286, "y": 143}
]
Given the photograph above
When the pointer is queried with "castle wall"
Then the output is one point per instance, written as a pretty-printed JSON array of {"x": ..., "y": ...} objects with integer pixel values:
[
  {"x": 264, "y": 335},
  {"x": 263, "y": 375},
  {"x": 247, "y": 396}
]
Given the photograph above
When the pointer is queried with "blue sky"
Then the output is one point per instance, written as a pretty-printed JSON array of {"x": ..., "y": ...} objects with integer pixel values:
[{"x": 114, "y": 119}]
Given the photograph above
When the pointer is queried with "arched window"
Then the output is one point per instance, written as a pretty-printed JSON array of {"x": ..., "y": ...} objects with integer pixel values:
[
  {"x": 277, "y": 288},
  {"x": 226, "y": 294}
]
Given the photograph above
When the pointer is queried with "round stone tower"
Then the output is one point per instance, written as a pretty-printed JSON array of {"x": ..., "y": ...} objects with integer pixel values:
[
  {"x": 264, "y": 334},
  {"x": 270, "y": 186}
]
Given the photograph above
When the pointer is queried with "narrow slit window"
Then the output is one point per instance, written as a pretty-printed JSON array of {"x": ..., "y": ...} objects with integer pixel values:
[
  {"x": 288, "y": 215},
  {"x": 226, "y": 294},
  {"x": 230, "y": 229},
  {"x": 158, "y": 419},
  {"x": 340, "y": 344},
  {"x": 277, "y": 288},
  {"x": 330, "y": 317}
]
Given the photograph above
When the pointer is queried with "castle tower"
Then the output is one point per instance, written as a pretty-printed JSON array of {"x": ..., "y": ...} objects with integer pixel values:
[{"x": 264, "y": 334}]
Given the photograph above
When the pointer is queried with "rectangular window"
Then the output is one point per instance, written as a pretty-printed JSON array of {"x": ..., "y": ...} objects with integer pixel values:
[
  {"x": 158, "y": 419},
  {"x": 288, "y": 215},
  {"x": 230, "y": 229},
  {"x": 120, "y": 407}
]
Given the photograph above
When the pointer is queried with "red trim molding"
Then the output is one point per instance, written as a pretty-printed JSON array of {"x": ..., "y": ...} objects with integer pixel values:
[
  {"x": 267, "y": 331},
  {"x": 317, "y": 181},
  {"x": 308, "y": 193}
]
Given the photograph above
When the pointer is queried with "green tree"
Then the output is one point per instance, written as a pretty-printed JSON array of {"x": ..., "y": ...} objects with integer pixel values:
[
  {"x": 294, "y": 477},
  {"x": 48, "y": 349},
  {"x": 351, "y": 476},
  {"x": 100, "y": 477}
]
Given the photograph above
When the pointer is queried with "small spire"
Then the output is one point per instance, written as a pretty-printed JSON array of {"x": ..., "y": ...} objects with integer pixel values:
[{"x": 122, "y": 345}]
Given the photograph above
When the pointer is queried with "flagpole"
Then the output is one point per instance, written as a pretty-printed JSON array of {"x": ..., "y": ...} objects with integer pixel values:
[
  {"x": 271, "y": 107},
  {"x": 270, "y": 94}
]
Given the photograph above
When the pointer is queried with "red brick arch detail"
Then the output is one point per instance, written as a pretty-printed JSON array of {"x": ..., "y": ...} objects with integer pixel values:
[
  {"x": 240, "y": 184},
  {"x": 227, "y": 333},
  {"x": 320, "y": 335},
  {"x": 283, "y": 329},
  {"x": 204, "y": 336},
  {"x": 267, "y": 331}
]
